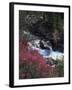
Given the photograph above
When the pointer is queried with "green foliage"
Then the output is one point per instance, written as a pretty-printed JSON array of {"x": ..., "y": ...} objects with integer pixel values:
[{"x": 60, "y": 67}]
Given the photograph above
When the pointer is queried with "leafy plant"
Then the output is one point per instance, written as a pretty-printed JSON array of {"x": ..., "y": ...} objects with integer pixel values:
[{"x": 32, "y": 64}]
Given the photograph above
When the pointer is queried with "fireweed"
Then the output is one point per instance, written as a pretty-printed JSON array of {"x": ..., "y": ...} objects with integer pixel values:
[{"x": 32, "y": 64}]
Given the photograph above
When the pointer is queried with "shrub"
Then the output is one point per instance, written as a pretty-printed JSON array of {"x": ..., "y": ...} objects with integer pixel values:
[{"x": 32, "y": 64}]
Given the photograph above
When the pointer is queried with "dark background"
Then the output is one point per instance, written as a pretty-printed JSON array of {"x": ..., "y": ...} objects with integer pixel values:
[{"x": 45, "y": 25}]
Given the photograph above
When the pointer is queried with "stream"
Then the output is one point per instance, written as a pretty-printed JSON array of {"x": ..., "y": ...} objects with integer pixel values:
[{"x": 47, "y": 53}]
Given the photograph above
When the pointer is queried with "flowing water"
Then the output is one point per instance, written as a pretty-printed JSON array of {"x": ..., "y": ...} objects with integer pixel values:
[{"x": 46, "y": 53}]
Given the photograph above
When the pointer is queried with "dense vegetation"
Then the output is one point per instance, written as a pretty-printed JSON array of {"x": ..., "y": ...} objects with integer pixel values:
[
  {"x": 33, "y": 65},
  {"x": 45, "y": 25},
  {"x": 48, "y": 26}
]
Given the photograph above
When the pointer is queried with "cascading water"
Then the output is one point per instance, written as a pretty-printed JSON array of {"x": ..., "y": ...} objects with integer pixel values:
[{"x": 47, "y": 52}]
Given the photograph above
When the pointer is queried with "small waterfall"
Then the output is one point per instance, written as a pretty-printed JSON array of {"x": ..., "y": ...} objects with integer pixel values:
[{"x": 43, "y": 47}]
